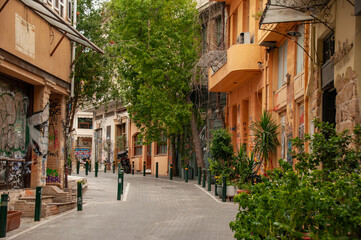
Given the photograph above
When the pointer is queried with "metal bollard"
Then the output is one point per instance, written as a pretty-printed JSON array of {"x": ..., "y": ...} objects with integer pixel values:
[
  {"x": 204, "y": 178},
  {"x": 105, "y": 167},
  {"x": 77, "y": 167},
  {"x": 86, "y": 167},
  {"x": 96, "y": 168},
  {"x": 37, "y": 214},
  {"x": 113, "y": 166},
  {"x": 215, "y": 190},
  {"x": 224, "y": 189},
  {"x": 156, "y": 169},
  {"x": 199, "y": 175},
  {"x": 122, "y": 181},
  {"x": 209, "y": 180},
  {"x": 144, "y": 168},
  {"x": 119, "y": 166},
  {"x": 186, "y": 175},
  {"x": 90, "y": 166},
  {"x": 132, "y": 167},
  {"x": 3, "y": 214},
  {"x": 119, "y": 193},
  {"x": 79, "y": 198},
  {"x": 170, "y": 171}
]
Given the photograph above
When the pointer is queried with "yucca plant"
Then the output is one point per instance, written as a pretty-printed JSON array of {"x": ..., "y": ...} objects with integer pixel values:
[{"x": 265, "y": 133}]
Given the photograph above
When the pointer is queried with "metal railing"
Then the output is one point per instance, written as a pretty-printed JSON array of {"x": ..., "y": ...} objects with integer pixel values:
[{"x": 11, "y": 173}]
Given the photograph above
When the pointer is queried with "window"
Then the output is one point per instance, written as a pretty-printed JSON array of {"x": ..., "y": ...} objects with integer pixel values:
[
  {"x": 109, "y": 130},
  {"x": 328, "y": 47},
  {"x": 219, "y": 30},
  {"x": 282, "y": 64},
  {"x": 301, "y": 121},
  {"x": 162, "y": 145},
  {"x": 50, "y": 2},
  {"x": 283, "y": 137},
  {"x": 204, "y": 38},
  {"x": 56, "y": 5},
  {"x": 300, "y": 52},
  {"x": 85, "y": 123},
  {"x": 61, "y": 7},
  {"x": 69, "y": 9},
  {"x": 138, "y": 148}
]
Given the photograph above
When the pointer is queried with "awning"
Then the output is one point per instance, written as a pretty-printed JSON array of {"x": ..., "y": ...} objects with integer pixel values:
[
  {"x": 281, "y": 11},
  {"x": 59, "y": 23}
]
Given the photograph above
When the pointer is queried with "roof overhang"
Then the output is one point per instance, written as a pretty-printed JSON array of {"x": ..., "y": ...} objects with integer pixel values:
[
  {"x": 59, "y": 23},
  {"x": 281, "y": 11}
]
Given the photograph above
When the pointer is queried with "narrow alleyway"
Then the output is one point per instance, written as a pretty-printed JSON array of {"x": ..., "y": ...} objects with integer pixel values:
[{"x": 150, "y": 209}]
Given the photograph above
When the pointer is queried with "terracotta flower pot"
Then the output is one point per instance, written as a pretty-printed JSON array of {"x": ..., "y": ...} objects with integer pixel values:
[
  {"x": 241, "y": 191},
  {"x": 13, "y": 220}
]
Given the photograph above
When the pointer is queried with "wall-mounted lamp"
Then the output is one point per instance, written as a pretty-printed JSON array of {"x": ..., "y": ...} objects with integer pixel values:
[{"x": 294, "y": 34}]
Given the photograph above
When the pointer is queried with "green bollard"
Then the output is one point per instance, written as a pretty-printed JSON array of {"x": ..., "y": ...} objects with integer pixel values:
[
  {"x": 199, "y": 175},
  {"x": 224, "y": 189},
  {"x": 171, "y": 172},
  {"x": 86, "y": 167},
  {"x": 79, "y": 199},
  {"x": 186, "y": 174},
  {"x": 119, "y": 195},
  {"x": 90, "y": 166},
  {"x": 215, "y": 191},
  {"x": 37, "y": 214},
  {"x": 144, "y": 168},
  {"x": 156, "y": 169},
  {"x": 3, "y": 214},
  {"x": 77, "y": 167},
  {"x": 113, "y": 166},
  {"x": 132, "y": 167},
  {"x": 119, "y": 167},
  {"x": 209, "y": 180},
  {"x": 96, "y": 168},
  {"x": 105, "y": 167},
  {"x": 122, "y": 181},
  {"x": 204, "y": 178}
]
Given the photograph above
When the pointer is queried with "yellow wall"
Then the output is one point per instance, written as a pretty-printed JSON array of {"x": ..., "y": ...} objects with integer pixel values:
[{"x": 46, "y": 38}]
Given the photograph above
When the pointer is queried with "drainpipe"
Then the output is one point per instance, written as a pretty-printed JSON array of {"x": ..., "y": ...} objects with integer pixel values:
[{"x": 74, "y": 48}]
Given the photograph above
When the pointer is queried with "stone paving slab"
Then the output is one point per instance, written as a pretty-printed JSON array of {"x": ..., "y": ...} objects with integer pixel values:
[{"x": 154, "y": 209}]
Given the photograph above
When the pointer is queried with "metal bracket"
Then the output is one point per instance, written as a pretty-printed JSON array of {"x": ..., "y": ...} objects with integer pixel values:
[
  {"x": 57, "y": 45},
  {"x": 3, "y": 6}
]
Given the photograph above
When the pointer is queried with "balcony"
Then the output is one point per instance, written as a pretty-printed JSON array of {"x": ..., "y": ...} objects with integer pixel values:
[{"x": 242, "y": 65}]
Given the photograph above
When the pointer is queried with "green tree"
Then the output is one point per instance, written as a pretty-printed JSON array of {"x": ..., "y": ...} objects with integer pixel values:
[
  {"x": 157, "y": 44},
  {"x": 93, "y": 72}
]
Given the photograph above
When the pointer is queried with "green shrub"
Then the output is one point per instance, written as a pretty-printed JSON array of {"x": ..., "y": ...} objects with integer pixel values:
[{"x": 324, "y": 203}]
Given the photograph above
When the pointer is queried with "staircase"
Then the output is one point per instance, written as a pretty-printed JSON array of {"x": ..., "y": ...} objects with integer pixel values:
[{"x": 54, "y": 201}]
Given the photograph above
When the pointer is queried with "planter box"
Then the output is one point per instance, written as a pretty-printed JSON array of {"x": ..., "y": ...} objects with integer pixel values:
[{"x": 13, "y": 220}]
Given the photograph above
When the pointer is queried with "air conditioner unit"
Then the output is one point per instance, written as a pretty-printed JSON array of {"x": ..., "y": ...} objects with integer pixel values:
[{"x": 244, "y": 38}]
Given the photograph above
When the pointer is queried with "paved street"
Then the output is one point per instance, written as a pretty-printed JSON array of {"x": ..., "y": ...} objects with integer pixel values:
[{"x": 150, "y": 209}]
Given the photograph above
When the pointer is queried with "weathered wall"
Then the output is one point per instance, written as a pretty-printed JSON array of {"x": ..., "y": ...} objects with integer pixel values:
[{"x": 27, "y": 36}]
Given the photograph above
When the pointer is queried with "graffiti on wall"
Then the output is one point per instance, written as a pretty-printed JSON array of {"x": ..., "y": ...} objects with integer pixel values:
[
  {"x": 83, "y": 153},
  {"x": 13, "y": 111},
  {"x": 38, "y": 125},
  {"x": 52, "y": 176}
]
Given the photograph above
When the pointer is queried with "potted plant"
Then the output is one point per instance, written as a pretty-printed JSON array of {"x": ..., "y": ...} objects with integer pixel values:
[
  {"x": 265, "y": 133},
  {"x": 245, "y": 168},
  {"x": 13, "y": 220}
]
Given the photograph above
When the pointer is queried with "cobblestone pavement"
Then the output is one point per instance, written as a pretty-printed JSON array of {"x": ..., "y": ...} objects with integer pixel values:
[{"x": 150, "y": 209}]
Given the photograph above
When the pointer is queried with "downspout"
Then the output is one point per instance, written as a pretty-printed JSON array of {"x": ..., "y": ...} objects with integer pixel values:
[{"x": 73, "y": 50}]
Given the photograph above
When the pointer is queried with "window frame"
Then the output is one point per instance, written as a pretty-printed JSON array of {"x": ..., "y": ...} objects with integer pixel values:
[
  {"x": 138, "y": 147},
  {"x": 162, "y": 145},
  {"x": 69, "y": 9},
  {"x": 61, "y": 8},
  {"x": 85, "y": 123},
  {"x": 282, "y": 64}
]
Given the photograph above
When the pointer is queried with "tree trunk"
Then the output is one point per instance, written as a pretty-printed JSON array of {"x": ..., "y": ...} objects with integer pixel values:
[{"x": 196, "y": 142}]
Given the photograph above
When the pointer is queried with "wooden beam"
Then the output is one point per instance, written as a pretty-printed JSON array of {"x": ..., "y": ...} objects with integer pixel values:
[
  {"x": 77, "y": 56},
  {"x": 57, "y": 45},
  {"x": 3, "y": 6}
]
